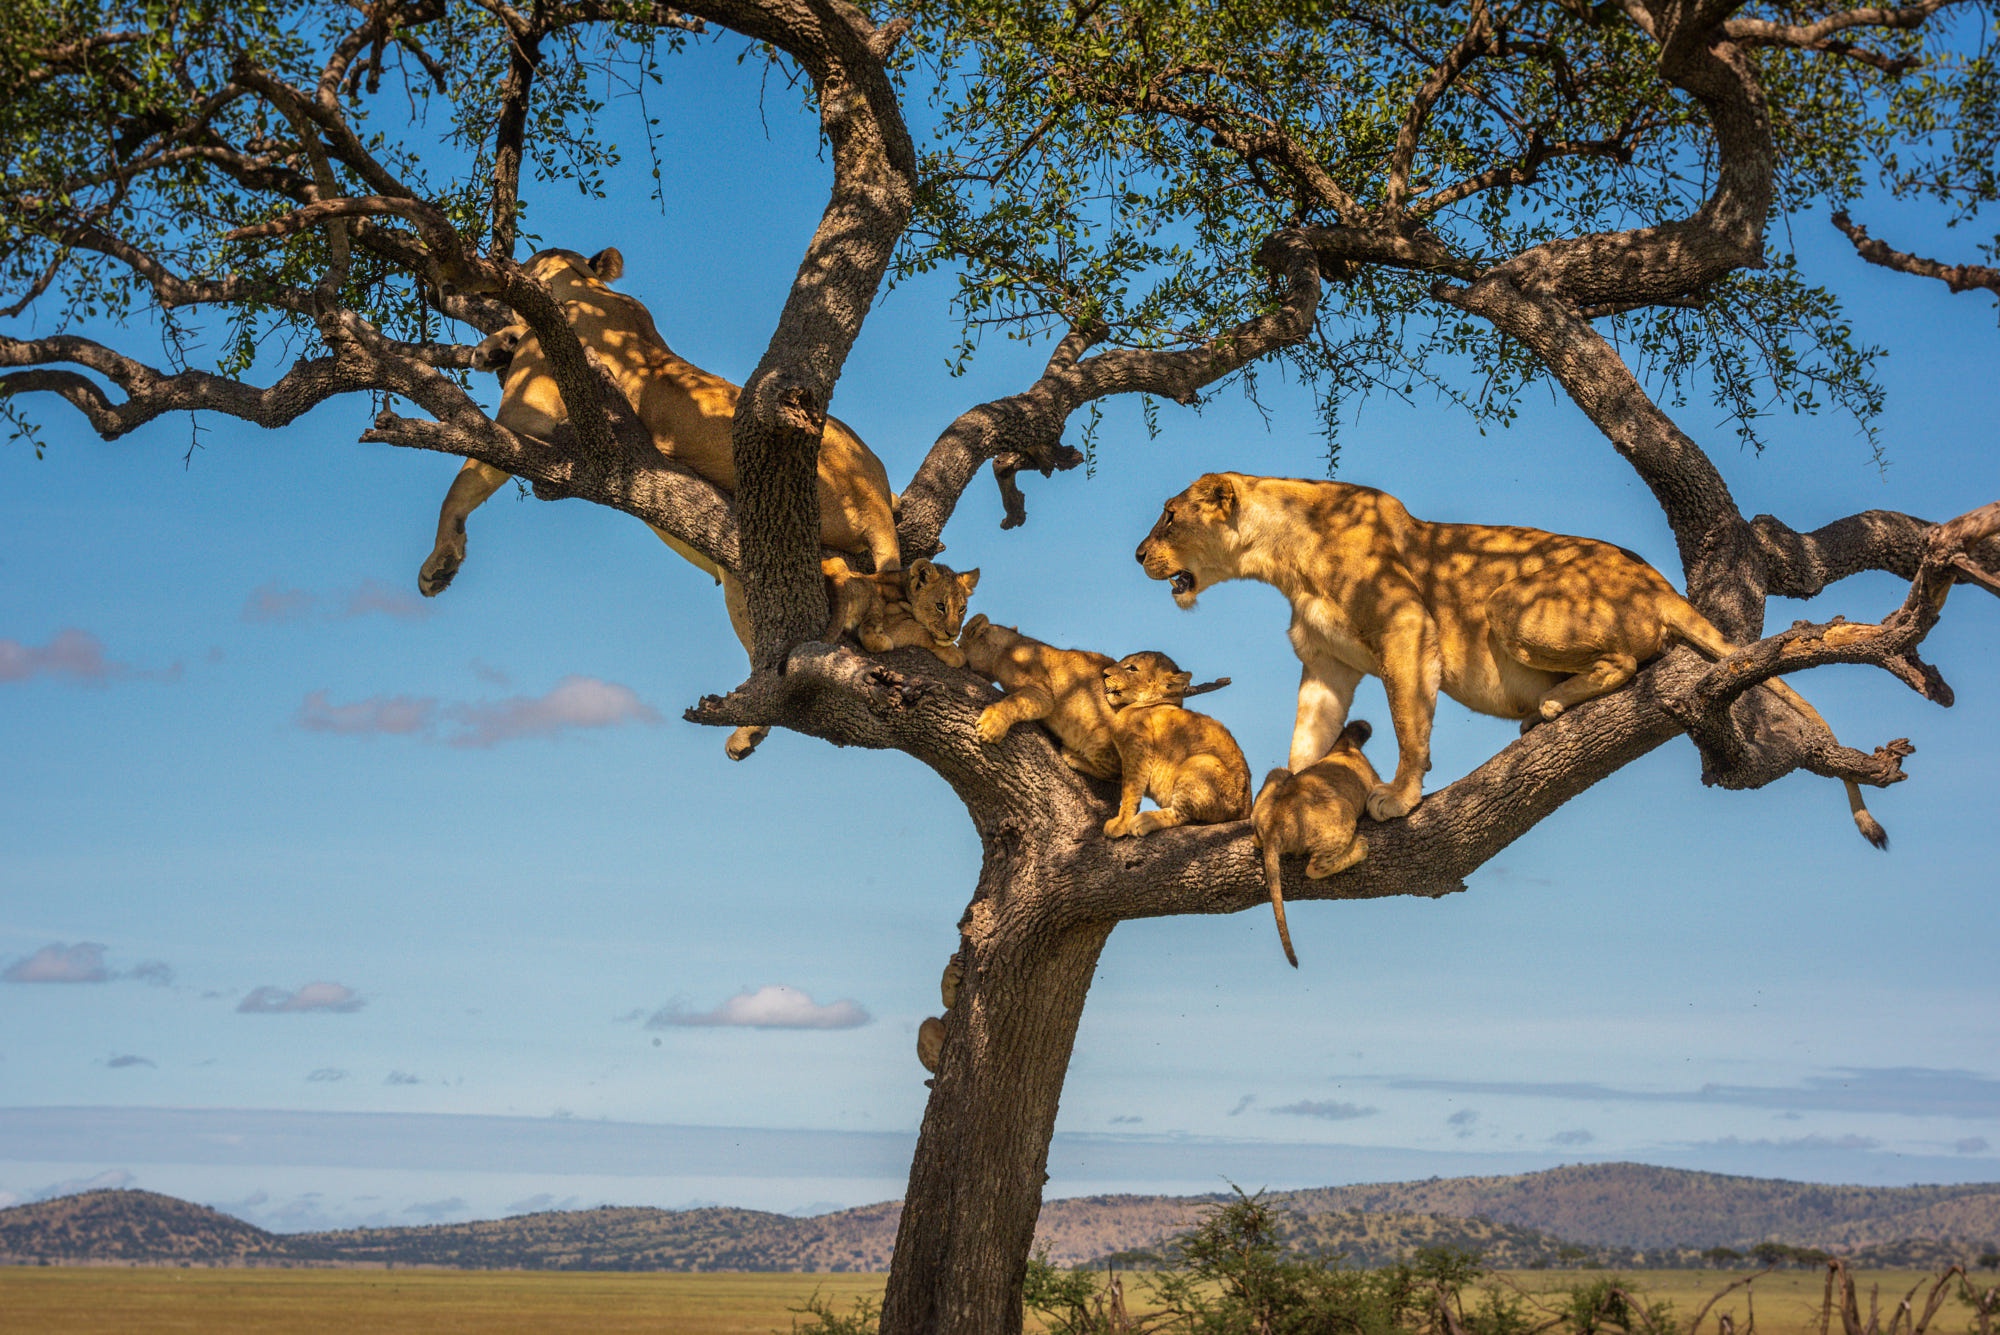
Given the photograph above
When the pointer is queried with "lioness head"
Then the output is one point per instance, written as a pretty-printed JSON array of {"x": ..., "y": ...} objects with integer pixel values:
[
  {"x": 1189, "y": 546},
  {"x": 1148, "y": 678},
  {"x": 937, "y": 597},
  {"x": 562, "y": 269},
  {"x": 495, "y": 352}
]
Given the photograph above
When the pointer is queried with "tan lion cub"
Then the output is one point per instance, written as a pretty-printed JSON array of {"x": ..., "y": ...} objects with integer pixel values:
[
  {"x": 1186, "y": 762},
  {"x": 1315, "y": 811},
  {"x": 922, "y": 605},
  {"x": 1062, "y": 689}
]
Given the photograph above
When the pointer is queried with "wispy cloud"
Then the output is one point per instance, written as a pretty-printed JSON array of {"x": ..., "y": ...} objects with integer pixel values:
[
  {"x": 1241, "y": 1104},
  {"x": 320, "y": 996},
  {"x": 541, "y": 1201},
  {"x": 574, "y": 702},
  {"x": 371, "y": 597},
  {"x": 401, "y": 1078},
  {"x": 1579, "y": 1136},
  {"x": 127, "y": 1059},
  {"x": 773, "y": 1007},
  {"x": 1972, "y": 1145},
  {"x": 109, "y": 1180},
  {"x": 73, "y": 655},
  {"x": 1127, "y": 1119},
  {"x": 1793, "y": 1143},
  {"x": 435, "y": 1210},
  {"x": 1461, "y": 1122},
  {"x": 1325, "y": 1109},
  {"x": 157, "y": 972},
  {"x": 1915, "y": 1091},
  {"x": 326, "y": 1075},
  {"x": 59, "y": 963}
]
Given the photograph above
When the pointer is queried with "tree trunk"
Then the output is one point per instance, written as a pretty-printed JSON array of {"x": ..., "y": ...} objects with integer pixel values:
[{"x": 982, "y": 1157}]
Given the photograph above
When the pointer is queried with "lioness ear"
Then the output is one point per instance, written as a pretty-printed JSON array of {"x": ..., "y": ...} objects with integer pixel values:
[
  {"x": 1215, "y": 494},
  {"x": 608, "y": 264},
  {"x": 969, "y": 580}
]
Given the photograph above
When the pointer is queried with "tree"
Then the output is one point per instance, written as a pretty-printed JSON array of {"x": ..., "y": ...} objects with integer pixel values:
[{"x": 1383, "y": 194}]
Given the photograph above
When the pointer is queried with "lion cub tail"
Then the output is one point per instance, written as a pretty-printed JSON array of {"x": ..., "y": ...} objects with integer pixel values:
[
  {"x": 1699, "y": 632},
  {"x": 1273, "y": 876}
]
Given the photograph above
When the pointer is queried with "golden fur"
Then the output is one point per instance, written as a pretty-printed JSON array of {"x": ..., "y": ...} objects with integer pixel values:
[
  {"x": 930, "y": 1034},
  {"x": 689, "y": 412},
  {"x": 1513, "y": 622},
  {"x": 923, "y": 605},
  {"x": 1062, "y": 689},
  {"x": 1314, "y": 812},
  {"x": 1186, "y": 762}
]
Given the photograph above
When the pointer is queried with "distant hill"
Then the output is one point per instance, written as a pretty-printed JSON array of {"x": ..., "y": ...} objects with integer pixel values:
[
  {"x": 1619, "y": 1215},
  {"x": 1634, "y": 1205}
]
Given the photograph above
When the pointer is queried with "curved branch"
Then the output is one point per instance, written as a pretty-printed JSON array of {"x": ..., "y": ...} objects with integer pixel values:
[
  {"x": 1024, "y": 430},
  {"x": 1957, "y": 277},
  {"x": 1809, "y": 36}
]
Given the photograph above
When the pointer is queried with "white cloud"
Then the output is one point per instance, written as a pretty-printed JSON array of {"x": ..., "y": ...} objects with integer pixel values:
[
  {"x": 312, "y": 997},
  {"x": 396, "y": 715},
  {"x": 58, "y": 963},
  {"x": 372, "y": 595},
  {"x": 772, "y": 1007},
  {"x": 74, "y": 654},
  {"x": 574, "y": 702},
  {"x": 268, "y": 602}
]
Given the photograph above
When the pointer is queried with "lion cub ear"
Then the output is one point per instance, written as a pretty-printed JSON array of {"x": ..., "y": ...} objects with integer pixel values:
[
  {"x": 608, "y": 265},
  {"x": 921, "y": 573},
  {"x": 1214, "y": 494},
  {"x": 1358, "y": 732},
  {"x": 1178, "y": 681},
  {"x": 969, "y": 580}
]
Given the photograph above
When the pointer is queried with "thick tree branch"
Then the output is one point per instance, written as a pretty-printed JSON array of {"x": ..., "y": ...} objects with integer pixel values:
[
  {"x": 1814, "y": 36},
  {"x": 1024, "y": 430},
  {"x": 1957, "y": 277}
]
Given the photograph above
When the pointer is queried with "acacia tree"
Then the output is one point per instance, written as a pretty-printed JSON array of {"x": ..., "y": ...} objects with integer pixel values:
[{"x": 1384, "y": 194}]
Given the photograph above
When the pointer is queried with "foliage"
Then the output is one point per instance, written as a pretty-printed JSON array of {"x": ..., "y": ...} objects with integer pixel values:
[
  {"x": 861, "y": 1319},
  {"x": 1121, "y": 162}
]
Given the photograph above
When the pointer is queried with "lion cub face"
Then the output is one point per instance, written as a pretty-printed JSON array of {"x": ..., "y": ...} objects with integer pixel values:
[
  {"x": 1189, "y": 546},
  {"x": 1141, "y": 679},
  {"x": 937, "y": 596}
]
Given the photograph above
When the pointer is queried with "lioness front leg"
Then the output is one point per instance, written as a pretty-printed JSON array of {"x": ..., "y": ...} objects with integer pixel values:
[
  {"x": 1022, "y": 706},
  {"x": 1412, "y": 669},
  {"x": 1326, "y": 691},
  {"x": 475, "y": 484}
]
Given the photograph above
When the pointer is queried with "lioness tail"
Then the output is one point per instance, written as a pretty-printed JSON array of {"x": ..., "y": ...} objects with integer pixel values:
[{"x": 1699, "y": 632}]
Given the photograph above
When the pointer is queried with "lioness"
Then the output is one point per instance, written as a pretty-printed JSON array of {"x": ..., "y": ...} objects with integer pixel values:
[
  {"x": 923, "y": 605},
  {"x": 1513, "y": 622},
  {"x": 1062, "y": 689},
  {"x": 689, "y": 413},
  {"x": 1315, "y": 812},
  {"x": 1186, "y": 762}
]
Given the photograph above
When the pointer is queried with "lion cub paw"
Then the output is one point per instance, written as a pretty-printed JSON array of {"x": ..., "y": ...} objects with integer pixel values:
[
  {"x": 1550, "y": 710},
  {"x": 1116, "y": 828},
  {"x": 1385, "y": 804},
  {"x": 992, "y": 724},
  {"x": 949, "y": 654}
]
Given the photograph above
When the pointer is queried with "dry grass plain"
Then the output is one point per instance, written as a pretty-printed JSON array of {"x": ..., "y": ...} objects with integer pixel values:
[{"x": 149, "y": 1301}]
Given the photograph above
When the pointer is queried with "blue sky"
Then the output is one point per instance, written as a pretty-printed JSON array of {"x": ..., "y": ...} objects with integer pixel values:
[{"x": 335, "y": 904}]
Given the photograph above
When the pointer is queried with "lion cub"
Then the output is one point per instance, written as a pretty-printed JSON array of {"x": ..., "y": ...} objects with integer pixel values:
[
  {"x": 1186, "y": 762},
  {"x": 922, "y": 604},
  {"x": 1062, "y": 689},
  {"x": 1315, "y": 811}
]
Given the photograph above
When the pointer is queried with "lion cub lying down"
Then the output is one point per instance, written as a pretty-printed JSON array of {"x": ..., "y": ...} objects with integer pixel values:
[
  {"x": 1315, "y": 811},
  {"x": 921, "y": 605},
  {"x": 1062, "y": 689},
  {"x": 1186, "y": 762}
]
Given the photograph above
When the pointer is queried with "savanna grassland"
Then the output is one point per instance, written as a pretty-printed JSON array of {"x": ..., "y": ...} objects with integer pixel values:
[{"x": 149, "y": 1300}]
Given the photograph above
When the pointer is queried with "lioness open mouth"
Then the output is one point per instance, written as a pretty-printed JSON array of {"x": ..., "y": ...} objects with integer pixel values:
[{"x": 1182, "y": 581}]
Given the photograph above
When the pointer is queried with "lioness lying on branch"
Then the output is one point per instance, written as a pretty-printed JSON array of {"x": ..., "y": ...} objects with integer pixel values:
[
  {"x": 1513, "y": 622},
  {"x": 688, "y": 412}
]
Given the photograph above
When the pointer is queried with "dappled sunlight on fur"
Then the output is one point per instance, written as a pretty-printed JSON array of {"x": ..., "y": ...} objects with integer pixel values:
[{"x": 1186, "y": 762}]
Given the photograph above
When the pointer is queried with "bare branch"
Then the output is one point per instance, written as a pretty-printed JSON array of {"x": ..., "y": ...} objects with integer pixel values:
[
  {"x": 1474, "y": 42},
  {"x": 1024, "y": 430},
  {"x": 1763, "y": 32},
  {"x": 1957, "y": 277}
]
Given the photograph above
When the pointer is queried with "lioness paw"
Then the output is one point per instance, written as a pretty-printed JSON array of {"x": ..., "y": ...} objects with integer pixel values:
[
  {"x": 1384, "y": 804},
  {"x": 743, "y": 741},
  {"x": 992, "y": 725},
  {"x": 438, "y": 572}
]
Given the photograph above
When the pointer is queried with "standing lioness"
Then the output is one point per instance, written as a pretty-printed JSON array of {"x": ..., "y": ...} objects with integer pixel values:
[{"x": 1507, "y": 621}]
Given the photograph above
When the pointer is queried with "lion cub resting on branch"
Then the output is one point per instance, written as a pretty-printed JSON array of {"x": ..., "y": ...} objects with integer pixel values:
[
  {"x": 1062, "y": 689},
  {"x": 1186, "y": 762},
  {"x": 1316, "y": 812},
  {"x": 921, "y": 605}
]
